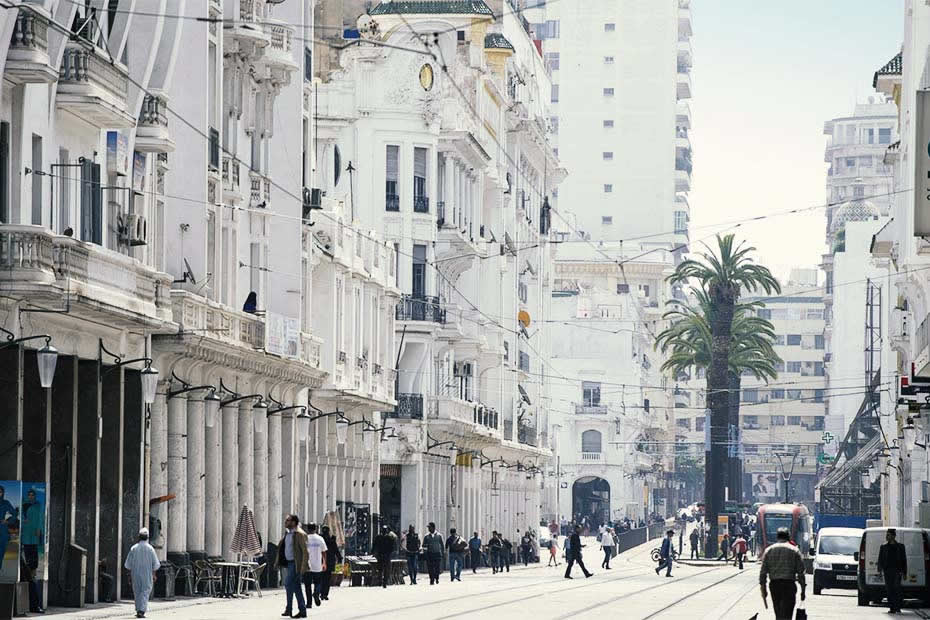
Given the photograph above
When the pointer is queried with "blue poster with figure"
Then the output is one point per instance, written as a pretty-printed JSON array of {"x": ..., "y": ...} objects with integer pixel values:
[
  {"x": 32, "y": 531},
  {"x": 10, "y": 502}
]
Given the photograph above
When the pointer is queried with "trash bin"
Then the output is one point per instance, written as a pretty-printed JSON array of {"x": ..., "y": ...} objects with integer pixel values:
[{"x": 76, "y": 576}]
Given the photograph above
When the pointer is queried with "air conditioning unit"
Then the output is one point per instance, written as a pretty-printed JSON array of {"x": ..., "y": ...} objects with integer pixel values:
[{"x": 138, "y": 230}]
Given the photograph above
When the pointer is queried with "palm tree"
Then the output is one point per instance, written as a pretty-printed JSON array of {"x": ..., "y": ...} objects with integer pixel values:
[{"x": 731, "y": 337}]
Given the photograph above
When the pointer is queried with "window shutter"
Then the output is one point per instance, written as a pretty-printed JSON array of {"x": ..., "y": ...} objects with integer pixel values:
[
  {"x": 391, "y": 168},
  {"x": 419, "y": 162}
]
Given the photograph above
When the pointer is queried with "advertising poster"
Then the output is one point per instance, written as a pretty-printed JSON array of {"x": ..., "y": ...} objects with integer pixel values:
[
  {"x": 32, "y": 535},
  {"x": 10, "y": 501}
]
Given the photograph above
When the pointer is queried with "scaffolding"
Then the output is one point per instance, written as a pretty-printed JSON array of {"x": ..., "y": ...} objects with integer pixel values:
[{"x": 841, "y": 490}]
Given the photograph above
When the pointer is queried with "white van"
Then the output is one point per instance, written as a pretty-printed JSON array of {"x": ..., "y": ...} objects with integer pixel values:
[
  {"x": 871, "y": 583},
  {"x": 834, "y": 563}
]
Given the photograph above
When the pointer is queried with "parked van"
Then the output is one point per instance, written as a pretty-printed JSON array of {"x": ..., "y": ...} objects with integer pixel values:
[
  {"x": 871, "y": 583},
  {"x": 834, "y": 563}
]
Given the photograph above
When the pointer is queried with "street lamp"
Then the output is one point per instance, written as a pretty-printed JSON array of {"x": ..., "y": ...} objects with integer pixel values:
[
  {"x": 211, "y": 402},
  {"x": 866, "y": 479},
  {"x": 211, "y": 406},
  {"x": 46, "y": 357},
  {"x": 259, "y": 408},
  {"x": 303, "y": 420},
  {"x": 148, "y": 376},
  {"x": 910, "y": 435}
]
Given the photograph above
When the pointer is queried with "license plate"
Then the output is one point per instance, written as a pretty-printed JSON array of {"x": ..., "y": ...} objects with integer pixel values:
[{"x": 845, "y": 577}]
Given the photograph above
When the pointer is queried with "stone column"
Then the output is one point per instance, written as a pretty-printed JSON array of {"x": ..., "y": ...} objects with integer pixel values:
[
  {"x": 288, "y": 499},
  {"x": 196, "y": 469},
  {"x": 246, "y": 497},
  {"x": 213, "y": 488},
  {"x": 260, "y": 486},
  {"x": 301, "y": 479},
  {"x": 449, "y": 190},
  {"x": 230, "y": 416},
  {"x": 275, "y": 506},
  {"x": 158, "y": 469},
  {"x": 177, "y": 479}
]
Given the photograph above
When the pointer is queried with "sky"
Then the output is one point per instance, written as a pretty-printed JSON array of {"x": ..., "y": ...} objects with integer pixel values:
[{"x": 766, "y": 76}]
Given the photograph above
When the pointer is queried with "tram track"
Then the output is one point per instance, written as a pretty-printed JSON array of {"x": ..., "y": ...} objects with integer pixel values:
[{"x": 695, "y": 593}]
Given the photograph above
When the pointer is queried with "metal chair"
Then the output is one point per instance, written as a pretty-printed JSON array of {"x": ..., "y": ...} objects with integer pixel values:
[
  {"x": 206, "y": 574},
  {"x": 251, "y": 574}
]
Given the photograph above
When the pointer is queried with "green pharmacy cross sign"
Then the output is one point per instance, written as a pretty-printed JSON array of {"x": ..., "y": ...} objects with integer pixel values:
[
  {"x": 827, "y": 437},
  {"x": 826, "y": 459}
]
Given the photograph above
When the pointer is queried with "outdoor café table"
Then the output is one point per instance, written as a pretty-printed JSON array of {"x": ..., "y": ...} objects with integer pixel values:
[{"x": 230, "y": 578}]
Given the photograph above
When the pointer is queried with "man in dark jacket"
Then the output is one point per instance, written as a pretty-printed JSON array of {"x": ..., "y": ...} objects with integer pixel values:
[
  {"x": 383, "y": 548},
  {"x": 456, "y": 546},
  {"x": 412, "y": 546},
  {"x": 496, "y": 548},
  {"x": 474, "y": 548},
  {"x": 574, "y": 554},
  {"x": 892, "y": 562},
  {"x": 695, "y": 543},
  {"x": 506, "y": 550},
  {"x": 333, "y": 557},
  {"x": 666, "y": 554},
  {"x": 433, "y": 544}
]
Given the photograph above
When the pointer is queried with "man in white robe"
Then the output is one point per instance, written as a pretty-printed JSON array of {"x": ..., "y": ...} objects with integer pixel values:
[{"x": 142, "y": 564}]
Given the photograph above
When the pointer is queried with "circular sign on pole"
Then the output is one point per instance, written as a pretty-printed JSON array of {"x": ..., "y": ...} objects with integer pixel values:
[{"x": 524, "y": 317}]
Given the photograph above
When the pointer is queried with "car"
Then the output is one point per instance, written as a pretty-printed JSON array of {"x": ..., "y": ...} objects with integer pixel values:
[
  {"x": 834, "y": 563},
  {"x": 871, "y": 582}
]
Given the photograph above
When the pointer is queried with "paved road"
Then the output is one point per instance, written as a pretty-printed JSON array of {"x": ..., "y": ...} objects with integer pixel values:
[{"x": 630, "y": 590}]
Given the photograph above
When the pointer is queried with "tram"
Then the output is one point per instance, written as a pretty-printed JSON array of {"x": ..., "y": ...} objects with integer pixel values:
[{"x": 794, "y": 517}]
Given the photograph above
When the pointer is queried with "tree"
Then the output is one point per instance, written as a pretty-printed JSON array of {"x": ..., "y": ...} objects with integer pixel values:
[{"x": 722, "y": 335}]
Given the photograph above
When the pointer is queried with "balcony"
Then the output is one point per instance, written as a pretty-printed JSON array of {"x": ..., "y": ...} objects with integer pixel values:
[
  {"x": 682, "y": 140},
  {"x": 523, "y": 362},
  {"x": 440, "y": 213},
  {"x": 411, "y": 308},
  {"x": 279, "y": 55},
  {"x": 421, "y": 204},
  {"x": 92, "y": 88},
  {"x": 684, "y": 19},
  {"x": 590, "y": 409},
  {"x": 683, "y": 115},
  {"x": 392, "y": 203},
  {"x": 27, "y": 60},
  {"x": 208, "y": 319},
  {"x": 246, "y": 29},
  {"x": 487, "y": 417},
  {"x": 685, "y": 52},
  {"x": 409, "y": 407},
  {"x": 98, "y": 283},
  {"x": 590, "y": 457},
  {"x": 259, "y": 190},
  {"x": 682, "y": 180},
  {"x": 152, "y": 134},
  {"x": 230, "y": 170},
  {"x": 683, "y": 84},
  {"x": 455, "y": 409},
  {"x": 642, "y": 461}
]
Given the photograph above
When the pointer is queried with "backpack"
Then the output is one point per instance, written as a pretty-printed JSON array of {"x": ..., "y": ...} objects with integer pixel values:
[{"x": 459, "y": 545}]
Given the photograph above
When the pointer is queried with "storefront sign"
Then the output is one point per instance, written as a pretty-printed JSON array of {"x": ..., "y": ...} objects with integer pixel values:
[
  {"x": 922, "y": 164},
  {"x": 117, "y": 153}
]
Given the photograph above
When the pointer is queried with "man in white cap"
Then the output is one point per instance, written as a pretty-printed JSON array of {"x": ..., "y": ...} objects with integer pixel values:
[{"x": 142, "y": 564}]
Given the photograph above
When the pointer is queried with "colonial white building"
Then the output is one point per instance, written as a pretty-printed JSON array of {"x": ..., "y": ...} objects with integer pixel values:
[
  {"x": 452, "y": 169},
  {"x": 621, "y": 81},
  {"x": 611, "y": 406}
]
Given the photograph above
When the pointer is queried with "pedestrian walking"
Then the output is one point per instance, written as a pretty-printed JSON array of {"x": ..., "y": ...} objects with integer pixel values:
[
  {"x": 695, "y": 544},
  {"x": 506, "y": 552},
  {"x": 681, "y": 535},
  {"x": 496, "y": 549},
  {"x": 782, "y": 566},
  {"x": 724, "y": 548},
  {"x": 316, "y": 553},
  {"x": 383, "y": 548},
  {"x": 666, "y": 554},
  {"x": 412, "y": 546},
  {"x": 573, "y": 554},
  {"x": 293, "y": 557},
  {"x": 740, "y": 546},
  {"x": 333, "y": 557},
  {"x": 607, "y": 544},
  {"x": 142, "y": 564},
  {"x": 892, "y": 562},
  {"x": 474, "y": 548},
  {"x": 456, "y": 546},
  {"x": 526, "y": 546},
  {"x": 433, "y": 545},
  {"x": 553, "y": 551}
]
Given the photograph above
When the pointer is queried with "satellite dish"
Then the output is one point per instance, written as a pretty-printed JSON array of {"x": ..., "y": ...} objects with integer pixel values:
[
  {"x": 188, "y": 275},
  {"x": 508, "y": 242},
  {"x": 524, "y": 317}
]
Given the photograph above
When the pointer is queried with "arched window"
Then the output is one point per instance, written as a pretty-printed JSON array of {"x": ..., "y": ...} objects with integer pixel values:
[{"x": 591, "y": 441}]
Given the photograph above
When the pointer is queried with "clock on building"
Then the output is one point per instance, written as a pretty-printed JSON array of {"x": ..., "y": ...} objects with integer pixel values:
[{"x": 426, "y": 76}]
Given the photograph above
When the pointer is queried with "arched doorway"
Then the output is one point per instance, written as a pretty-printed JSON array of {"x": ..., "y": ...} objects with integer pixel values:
[{"x": 591, "y": 501}]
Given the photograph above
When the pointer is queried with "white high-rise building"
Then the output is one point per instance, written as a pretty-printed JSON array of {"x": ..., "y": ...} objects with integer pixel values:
[{"x": 621, "y": 78}]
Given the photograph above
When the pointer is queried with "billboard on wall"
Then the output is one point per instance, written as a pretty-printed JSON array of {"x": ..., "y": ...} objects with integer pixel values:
[
  {"x": 10, "y": 504},
  {"x": 282, "y": 335},
  {"x": 34, "y": 528},
  {"x": 922, "y": 164}
]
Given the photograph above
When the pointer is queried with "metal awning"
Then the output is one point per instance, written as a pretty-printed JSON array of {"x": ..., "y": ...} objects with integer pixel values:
[{"x": 863, "y": 456}]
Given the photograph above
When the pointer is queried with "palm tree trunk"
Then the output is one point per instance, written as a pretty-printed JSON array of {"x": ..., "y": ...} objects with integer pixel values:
[
  {"x": 718, "y": 400},
  {"x": 735, "y": 467}
]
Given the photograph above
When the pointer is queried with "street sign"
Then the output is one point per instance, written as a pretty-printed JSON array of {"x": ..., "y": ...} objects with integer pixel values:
[
  {"x": 827, "y": 437},
  {"x": 826, "y": 459}
]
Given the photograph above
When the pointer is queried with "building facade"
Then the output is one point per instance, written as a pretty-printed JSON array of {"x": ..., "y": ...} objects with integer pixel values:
[
  {"x": 611, "y": 406},
  {"x": 621, "y": 75}
]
